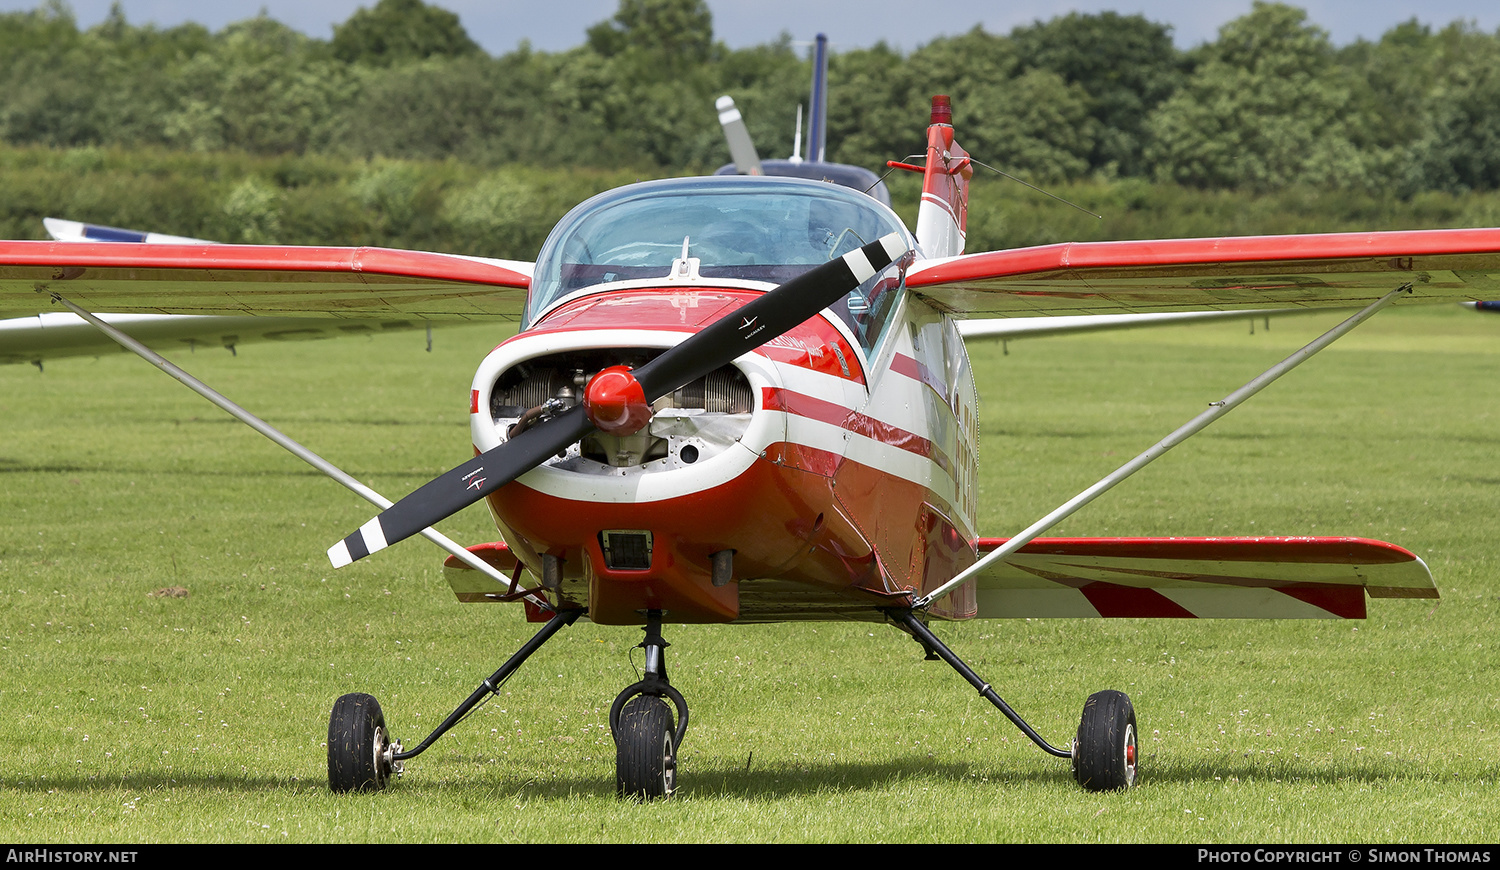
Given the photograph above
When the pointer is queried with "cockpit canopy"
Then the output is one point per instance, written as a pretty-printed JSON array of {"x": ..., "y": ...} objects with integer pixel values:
[{"x": 743, "y": 229}]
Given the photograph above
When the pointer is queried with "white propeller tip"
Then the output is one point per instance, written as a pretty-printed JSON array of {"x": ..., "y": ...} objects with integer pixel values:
[{"x": 338, "y": 554}]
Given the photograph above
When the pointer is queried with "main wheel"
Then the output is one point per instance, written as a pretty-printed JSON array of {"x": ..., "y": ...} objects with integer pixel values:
[
  {"x": 357, "y": 744},
  {"x": 645, "y": 757},
  {"x": 1104, "y": 755}
]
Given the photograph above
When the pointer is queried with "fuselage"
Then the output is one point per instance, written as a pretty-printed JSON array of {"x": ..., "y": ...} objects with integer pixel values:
[{"x": 834, "y": 465}]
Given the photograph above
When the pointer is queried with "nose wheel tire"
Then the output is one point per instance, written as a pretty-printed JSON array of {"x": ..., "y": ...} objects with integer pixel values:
[
  {"x": 645, "y": 750},
  {"x": 359, "y": 748},
  {"x": 1104, "y": 754}
]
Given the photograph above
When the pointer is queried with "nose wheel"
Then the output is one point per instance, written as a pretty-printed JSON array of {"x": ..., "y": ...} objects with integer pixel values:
[
  {"x": 645, "y": 750},
  {"x": 640, "y": 721}
]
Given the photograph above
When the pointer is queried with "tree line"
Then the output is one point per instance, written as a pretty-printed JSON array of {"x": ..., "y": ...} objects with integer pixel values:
[
  {"x": 1270, "y": 104},
  {"x": 400, "y": 131}
]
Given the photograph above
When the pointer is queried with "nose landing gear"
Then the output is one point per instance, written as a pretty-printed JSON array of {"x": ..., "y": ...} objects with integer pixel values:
[{"x": 640, "y": 721}]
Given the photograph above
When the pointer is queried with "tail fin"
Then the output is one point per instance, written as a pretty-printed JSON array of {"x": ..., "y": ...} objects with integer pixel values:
[
  {"x": 942, "y": 218},
  {"x": 817, "y": 110}
]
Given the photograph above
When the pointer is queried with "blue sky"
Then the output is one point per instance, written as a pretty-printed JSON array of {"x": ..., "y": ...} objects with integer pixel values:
[{"x": 500, "y": 25}]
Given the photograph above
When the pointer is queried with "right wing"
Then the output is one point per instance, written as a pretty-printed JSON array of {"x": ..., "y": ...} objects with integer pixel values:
[
  {"x": 254, "y": 280},
  {"x": 58, "y": 334}
]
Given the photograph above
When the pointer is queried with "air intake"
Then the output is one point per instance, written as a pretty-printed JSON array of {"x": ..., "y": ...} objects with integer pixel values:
[{"x": 626, "y": 551}]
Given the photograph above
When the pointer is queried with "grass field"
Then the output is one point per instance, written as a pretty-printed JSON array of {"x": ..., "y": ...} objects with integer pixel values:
[{"x": 132, "y": 718}]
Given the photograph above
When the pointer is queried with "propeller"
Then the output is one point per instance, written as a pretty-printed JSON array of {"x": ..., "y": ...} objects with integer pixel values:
[
  {"x": 618, "y": 400},
  {"x": 741, "y": 147}
]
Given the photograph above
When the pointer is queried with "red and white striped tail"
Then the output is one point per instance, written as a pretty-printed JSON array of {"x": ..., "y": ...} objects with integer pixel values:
[{"x": 942, "y": 217}]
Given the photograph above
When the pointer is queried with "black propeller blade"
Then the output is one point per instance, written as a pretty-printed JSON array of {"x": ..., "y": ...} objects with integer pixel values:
[{"x": 718, "y": 344}]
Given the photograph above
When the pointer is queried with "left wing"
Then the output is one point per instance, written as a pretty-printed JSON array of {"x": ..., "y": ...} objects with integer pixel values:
[
  {"x": 1335, "y": 269},
  {"x": 1248, "y": 578},
  {"x": 279, "y": 280}
]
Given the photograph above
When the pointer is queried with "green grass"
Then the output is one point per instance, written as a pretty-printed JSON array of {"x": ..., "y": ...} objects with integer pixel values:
[{"x": 133, "y": 718}]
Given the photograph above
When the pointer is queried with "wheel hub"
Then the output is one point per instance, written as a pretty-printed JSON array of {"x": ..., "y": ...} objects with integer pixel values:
[{"x": 386, "y": 750}]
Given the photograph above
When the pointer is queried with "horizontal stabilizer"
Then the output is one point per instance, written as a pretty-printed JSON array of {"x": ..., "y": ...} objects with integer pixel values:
[
  {"x": 1204, "y": 578},
  {"x": 470, "y": 586}
]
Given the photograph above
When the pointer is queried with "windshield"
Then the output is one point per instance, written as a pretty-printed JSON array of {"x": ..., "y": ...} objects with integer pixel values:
[{"x": 755, "y": 229}]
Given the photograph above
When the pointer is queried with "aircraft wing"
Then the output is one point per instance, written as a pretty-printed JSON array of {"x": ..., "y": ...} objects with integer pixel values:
[
  {"x": 58, "y": 334},
  {"x": 1324, "y": 270},
  {"x": 1247, "y": 578},
  {"x": 357, "y": 283}
]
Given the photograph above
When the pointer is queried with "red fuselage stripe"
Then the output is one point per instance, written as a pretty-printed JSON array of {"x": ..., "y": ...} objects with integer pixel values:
[
  {"x": 787, "y": 401},
  {"x": 913, "y": 368}
]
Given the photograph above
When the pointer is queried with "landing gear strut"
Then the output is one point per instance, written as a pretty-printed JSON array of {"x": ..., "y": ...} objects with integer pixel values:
[
  {"x": 640, "y": 721},
  {"x": 1103, "y": 753},
  {"x": 361, "y": 754}
]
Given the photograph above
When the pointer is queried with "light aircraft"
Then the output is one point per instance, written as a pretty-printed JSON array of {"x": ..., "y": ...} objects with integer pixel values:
[{"x": 739, "y": 400}]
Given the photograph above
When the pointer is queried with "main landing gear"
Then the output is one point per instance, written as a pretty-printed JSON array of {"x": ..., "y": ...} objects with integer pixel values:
[
  {"x": 362, "y": 756},
  {"x": 1103, "y": 752},
  {"x": 360, "y": 752}
]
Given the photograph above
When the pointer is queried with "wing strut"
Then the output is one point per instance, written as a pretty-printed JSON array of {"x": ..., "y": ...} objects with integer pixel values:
[
  {"x": 283, "y": 441},
  {"x": 1189, "y": 429}
]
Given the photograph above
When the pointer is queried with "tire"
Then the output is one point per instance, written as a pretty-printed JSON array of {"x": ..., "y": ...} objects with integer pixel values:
[
  {"x": 357, "y": 743},
  {"x": 1105, "y": 755},
  {"x": 645, "y": 757}
]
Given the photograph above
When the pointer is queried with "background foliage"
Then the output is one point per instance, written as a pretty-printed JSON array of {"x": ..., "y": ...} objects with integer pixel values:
[
  {"x": 1271, "y": 103},
  {"x": 401, "y": 131}
]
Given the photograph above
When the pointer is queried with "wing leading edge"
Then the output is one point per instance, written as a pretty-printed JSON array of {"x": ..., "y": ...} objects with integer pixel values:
[
  {"x": 1219, "y": 578},
  {"x": 1335, "y": 269}
]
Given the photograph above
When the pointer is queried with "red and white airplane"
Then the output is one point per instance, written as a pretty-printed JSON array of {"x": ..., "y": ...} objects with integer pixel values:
[{"x": 748, "y": 400}]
